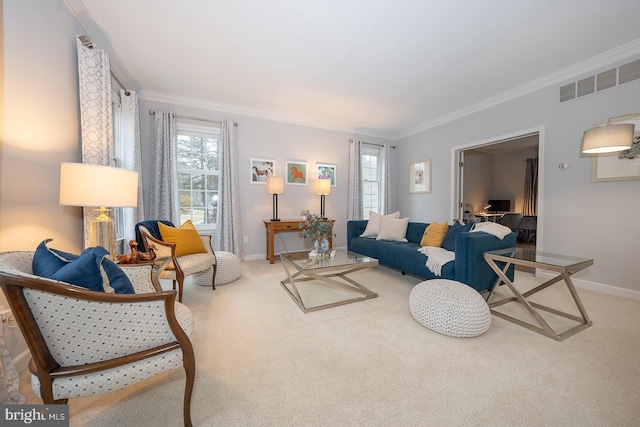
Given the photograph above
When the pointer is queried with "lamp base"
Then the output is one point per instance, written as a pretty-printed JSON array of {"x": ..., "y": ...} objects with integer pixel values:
[
  {"x": 275, "y": 219},
  {"x": 102, "y": 233}
]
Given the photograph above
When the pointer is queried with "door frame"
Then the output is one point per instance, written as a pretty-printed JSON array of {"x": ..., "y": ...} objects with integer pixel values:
[{"x": 457, "y": 154}]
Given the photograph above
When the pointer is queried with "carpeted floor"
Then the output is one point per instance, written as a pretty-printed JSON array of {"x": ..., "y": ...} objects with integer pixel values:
[{"x": 262, "y": 362}]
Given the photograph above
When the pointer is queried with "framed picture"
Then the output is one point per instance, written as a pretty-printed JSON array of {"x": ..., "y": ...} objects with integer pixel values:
[
  {"x": 261, "y": 169},
  {"x": 326, "y": 171},
  {"x": 297, "y": 173},
  {"x": 620, "y": 166},
  {"x": 420, "y": 177}
]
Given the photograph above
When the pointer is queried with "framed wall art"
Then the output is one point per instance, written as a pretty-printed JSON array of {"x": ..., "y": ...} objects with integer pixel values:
[
  {"x": 297, "y": 173},
  {"x": 326, "y": 171},
  {"x": 623, "y": 165},
  {"x": 420, "y": 177},
  {"x": 261, "y": 169}
]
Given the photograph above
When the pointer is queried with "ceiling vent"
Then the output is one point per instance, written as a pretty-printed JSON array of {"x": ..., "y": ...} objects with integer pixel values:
[{"x": 605, "y": 80}]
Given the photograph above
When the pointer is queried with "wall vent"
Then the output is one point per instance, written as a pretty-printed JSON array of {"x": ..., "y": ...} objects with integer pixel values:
[{"x": 605, "y": 80}]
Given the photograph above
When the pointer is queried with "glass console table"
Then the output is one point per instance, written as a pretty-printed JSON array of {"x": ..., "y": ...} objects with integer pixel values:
[{"x": 565, "y": 266}]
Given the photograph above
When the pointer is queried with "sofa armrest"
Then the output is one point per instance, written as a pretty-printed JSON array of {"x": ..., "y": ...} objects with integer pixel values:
[
  {"x": 471, "y": 267},
  {"x": 354, "y": 229}
]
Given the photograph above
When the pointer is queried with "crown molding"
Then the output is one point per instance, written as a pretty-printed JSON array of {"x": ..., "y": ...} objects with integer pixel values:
[{"x": 589, "y": 66}]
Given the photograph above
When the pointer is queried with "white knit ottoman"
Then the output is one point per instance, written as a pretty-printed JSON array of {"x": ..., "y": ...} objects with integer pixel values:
[
  {"x": 229, "y": 267},
  {"x": 450, "y": 308}
]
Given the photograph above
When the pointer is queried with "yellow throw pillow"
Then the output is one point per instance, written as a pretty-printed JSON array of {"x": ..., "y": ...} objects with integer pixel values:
[
  {"x": 434, "y": 234},
  {"x": 186, "y": 238}
]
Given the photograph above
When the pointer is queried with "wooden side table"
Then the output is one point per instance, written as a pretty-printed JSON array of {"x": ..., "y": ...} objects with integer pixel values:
[{"x": 284, "y": 226}]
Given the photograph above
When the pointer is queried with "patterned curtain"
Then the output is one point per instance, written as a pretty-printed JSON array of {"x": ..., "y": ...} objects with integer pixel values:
[
  {"x": 530, "y": 203},
  {"x": 354, "y": 208},
  {"x": 96, "y": 120},
  {"x": 131, "y": 158},
  {"x": 164, "y": 181},
  {"x": 228, "y": 235},
  {"x": 385, "y": 156}
]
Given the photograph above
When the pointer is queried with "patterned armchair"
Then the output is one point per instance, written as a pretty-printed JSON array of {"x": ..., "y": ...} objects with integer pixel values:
[
  {"x": 85, "y": 343},
  {"x": 203, "y": 265}
]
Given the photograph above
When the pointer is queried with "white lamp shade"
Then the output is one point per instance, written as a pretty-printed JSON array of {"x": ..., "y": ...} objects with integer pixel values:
[
  {"x": 275, "y": 185},
  {"x": 323, "y": 186},
  {"x": 83, "y": 184},
  {"x": 608, "y": 138}
]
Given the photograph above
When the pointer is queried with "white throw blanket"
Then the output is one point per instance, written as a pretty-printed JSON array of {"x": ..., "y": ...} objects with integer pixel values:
[
  {"x": 436, "y": 258},
  {"x": 498, "y": 230}
]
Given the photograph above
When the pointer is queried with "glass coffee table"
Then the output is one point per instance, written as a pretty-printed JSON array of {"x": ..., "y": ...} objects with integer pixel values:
[
  {"x": 565, "y": 266},
  {"x": 328, "y": 285}
]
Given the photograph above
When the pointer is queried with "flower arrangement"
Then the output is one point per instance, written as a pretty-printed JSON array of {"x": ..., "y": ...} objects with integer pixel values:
[{"x": 314, "y": 227}]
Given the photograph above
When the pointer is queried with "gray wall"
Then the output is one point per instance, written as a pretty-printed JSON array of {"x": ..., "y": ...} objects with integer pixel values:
[{"x": 577, "y": 217}]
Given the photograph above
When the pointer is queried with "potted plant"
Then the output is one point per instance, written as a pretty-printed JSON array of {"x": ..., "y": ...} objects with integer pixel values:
[{"x": 317, "y": 229}]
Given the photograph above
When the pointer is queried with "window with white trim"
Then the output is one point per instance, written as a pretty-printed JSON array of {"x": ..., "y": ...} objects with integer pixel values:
[
  {"x": 198, "y": 170},
  {"x": 371, "y": 170}
]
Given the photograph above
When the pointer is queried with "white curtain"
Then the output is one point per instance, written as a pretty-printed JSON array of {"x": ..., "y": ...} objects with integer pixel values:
[
  {"x": 131, "y": 157},
  {"x": 385, "y": 156},
  {"x": 354, "y": 208},
  {"x": 96, "y": 120},
  {"x": 164, "y": 181},
  {"x": 228, "y": 235}
]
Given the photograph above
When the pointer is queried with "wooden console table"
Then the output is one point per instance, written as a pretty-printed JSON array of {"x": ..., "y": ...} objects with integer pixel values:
[{"x": 284, "y": 226}]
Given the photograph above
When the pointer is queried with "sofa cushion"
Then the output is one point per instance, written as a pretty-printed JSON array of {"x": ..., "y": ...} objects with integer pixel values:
[
  {"x": 186, "y": 238},
  {"x": 449, "y": 242},
  {"x": 373, "y": 226},
  {"x": 434, "y": 234},
  {"x": 393, "y": 229}
]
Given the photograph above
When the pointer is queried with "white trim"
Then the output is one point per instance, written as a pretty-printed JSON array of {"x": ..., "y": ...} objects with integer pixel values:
[{"x": 596, "y": 287}]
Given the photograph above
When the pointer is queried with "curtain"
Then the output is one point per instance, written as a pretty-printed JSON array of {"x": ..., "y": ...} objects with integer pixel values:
[
  {"x": 385, "y": 156},
  {"x": 164, "y": 182},
  {"x": 96, "y": 120},
  {"x": 354, "y": 208},
  {"x": 530, "y": 203},
  {"x": 131, "y": 158},
  {"x": 228, "y": 234}
]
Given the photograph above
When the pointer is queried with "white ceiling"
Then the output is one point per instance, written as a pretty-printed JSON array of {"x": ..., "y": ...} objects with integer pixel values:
[{"x": 378, "y": 67}]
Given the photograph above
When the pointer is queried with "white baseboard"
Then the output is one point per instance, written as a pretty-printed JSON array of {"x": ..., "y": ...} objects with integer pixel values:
[
  {"x": 598, "y": 287},
  {"x": 21, "y": 362}
]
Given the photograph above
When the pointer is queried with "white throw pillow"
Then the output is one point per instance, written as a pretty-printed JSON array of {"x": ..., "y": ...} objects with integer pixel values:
[
  {"x": 393, "y": 229},
  {"x": 373, "y": 226}
]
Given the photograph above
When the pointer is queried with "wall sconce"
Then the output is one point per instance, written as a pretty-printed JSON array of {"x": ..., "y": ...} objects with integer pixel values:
[
  {"x": 275, "y": 186},
  {"x": 608, "y": 138},
  {"x": 83, "y": 184},
  {"x": 323, "y": 188}
]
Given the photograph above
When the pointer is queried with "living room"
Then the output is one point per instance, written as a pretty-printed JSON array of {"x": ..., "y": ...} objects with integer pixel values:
[{"x": 578, "y": 217}]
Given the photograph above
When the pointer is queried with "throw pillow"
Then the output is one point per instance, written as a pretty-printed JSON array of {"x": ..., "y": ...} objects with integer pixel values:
[
  {"x": 393, "y": 229},
  {"x": 90, "y": 270},
  {"x": 373, "y": 226},
  {"x": 186, "y": 238},
  {"x": 449, "y": 242},
  {"x": 434, "y": 234}
]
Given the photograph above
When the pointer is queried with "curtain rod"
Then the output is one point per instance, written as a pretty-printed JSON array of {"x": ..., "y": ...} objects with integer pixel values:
[
  {"x": 372, "y": 143},
  {"x": 219, "y": 122},
  {"x": 86, "y": 41}
]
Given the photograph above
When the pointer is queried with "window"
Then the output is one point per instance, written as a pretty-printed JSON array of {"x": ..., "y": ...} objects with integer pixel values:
[
  {"x": 370, "y": 163},
  {"x": 118, "y": 148},
  {"x": 198, "y": 174}
]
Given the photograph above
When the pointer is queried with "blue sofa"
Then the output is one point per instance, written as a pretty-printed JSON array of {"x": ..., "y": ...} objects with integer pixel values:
[{"x": 469, "y": 266}]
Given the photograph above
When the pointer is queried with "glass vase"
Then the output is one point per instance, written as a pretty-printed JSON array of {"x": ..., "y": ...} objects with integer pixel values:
[{"x": 321, "y": 246}]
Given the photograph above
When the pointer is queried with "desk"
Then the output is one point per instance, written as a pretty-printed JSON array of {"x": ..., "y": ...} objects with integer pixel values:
[
  {"x": 488, "y": 217},
  {"x": 284, "y": 226}
]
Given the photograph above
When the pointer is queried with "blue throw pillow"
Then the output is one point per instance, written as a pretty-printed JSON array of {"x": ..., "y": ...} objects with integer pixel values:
[
  {"x": 85, "y": 270},
  {"x": 449, "y": 242}
]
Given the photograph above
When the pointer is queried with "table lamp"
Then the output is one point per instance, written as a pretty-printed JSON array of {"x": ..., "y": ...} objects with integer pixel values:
[
  {"x": 323, "y": 188},
  {"x": 83, "y": 184},
  {"x": 275, "y": 186}
]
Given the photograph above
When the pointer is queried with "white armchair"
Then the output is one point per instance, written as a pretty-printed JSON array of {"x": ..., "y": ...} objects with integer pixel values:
[{"x": 85, "y": 343}]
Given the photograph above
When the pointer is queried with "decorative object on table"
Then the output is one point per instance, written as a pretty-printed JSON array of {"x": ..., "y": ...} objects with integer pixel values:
[
  {"x": 89, "y": 185},
  {"x": 304, "y": 213},
  {"x": 323, "y": 188},
  {"x": 326, "y": 171},
  {"x": 148, "y": 256},
  {"x": 619, "y": 165},
  {"x": 130, "y": 258},
  {"x": 420, "y": 177},
  {"x": 261, "y": 170},
  {"x": 297, "y": 173},
  {"x": 275, "y": 186},
  {"x": 319, "y": 230}
]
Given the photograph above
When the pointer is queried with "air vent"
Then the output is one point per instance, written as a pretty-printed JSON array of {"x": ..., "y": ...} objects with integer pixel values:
[{"x": 605, "y": 80}]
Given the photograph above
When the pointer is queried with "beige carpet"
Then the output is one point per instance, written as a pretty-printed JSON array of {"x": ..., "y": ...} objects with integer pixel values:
[{"x": 262, "y": 362}]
